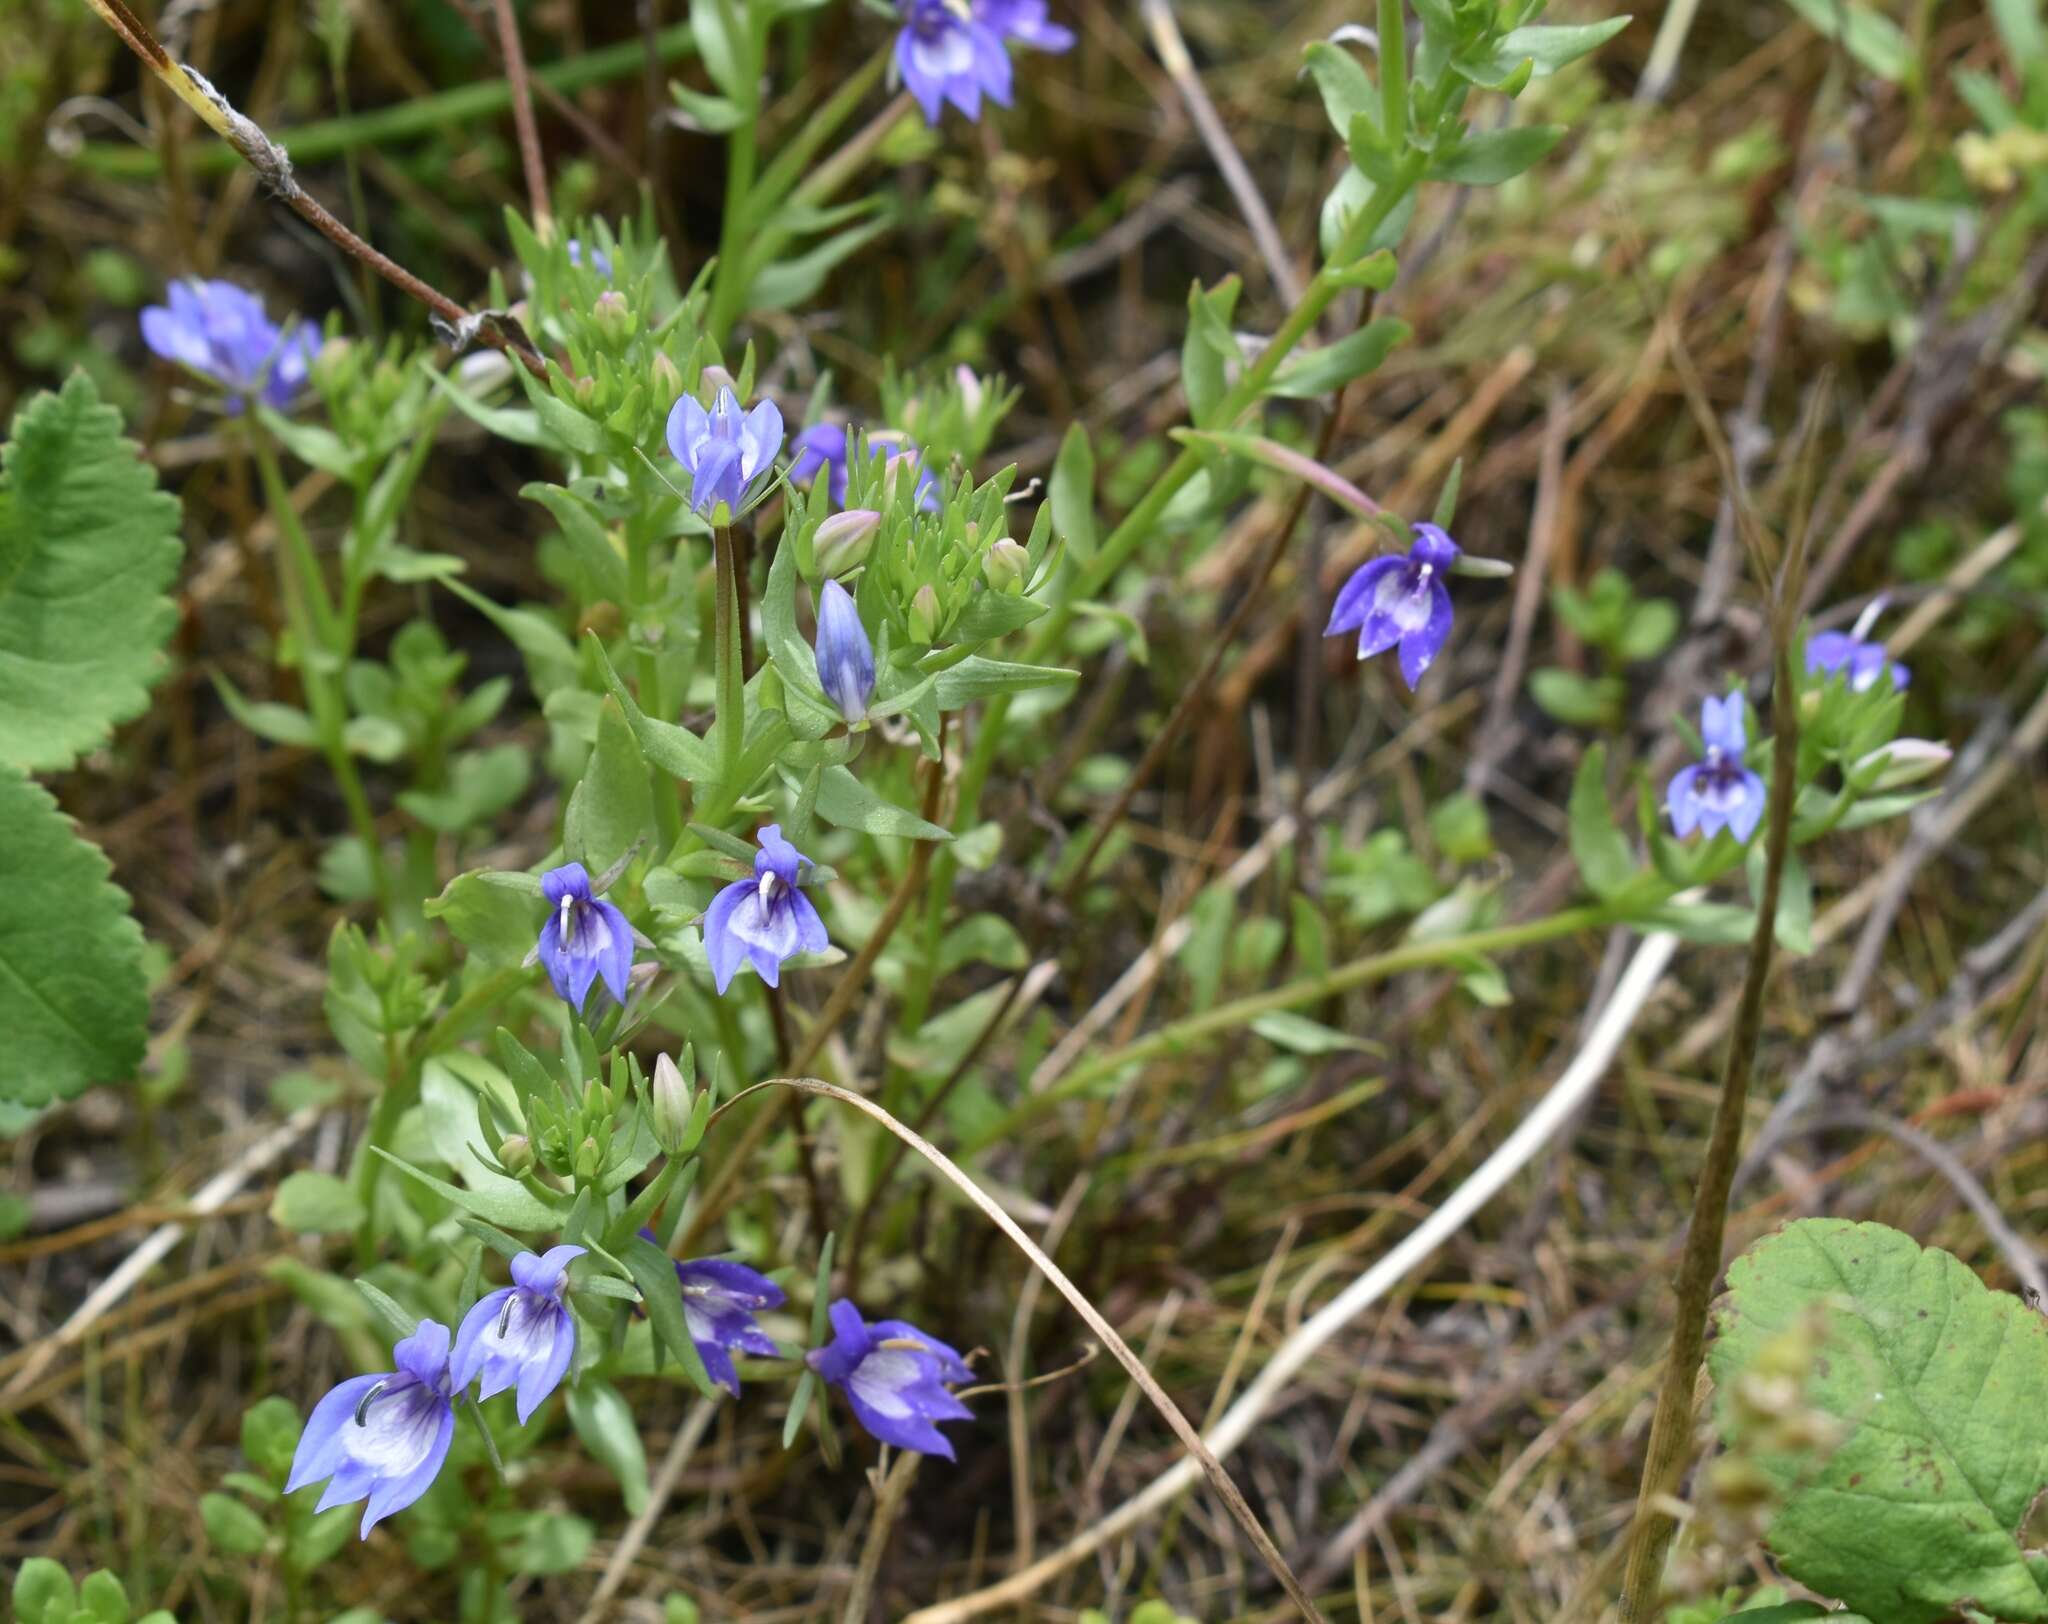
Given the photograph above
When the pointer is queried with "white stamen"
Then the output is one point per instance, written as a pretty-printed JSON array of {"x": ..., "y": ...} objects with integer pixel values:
[{"x": 568, "y": 925}]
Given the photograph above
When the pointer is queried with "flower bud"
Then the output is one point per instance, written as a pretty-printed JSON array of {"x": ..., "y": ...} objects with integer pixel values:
[
  {"x": 714, "y": 378},
  {"x": 1006, "y": 565},
  {"x": 1906, "y": 761},
  {"x": 588, "y": 1160},
  {"x": 971, "y": 392},
  {"x": 585, "y": 390},
  {"x": 924, "y": 615},
  {"x": 387, "y": 383},
  {"x": 902, "y": 465},
  {"x": 515, "y": 1154},
  {"x": 331, "y": 366},
  {"x": 666, "y": 378},
  {"x": 844, "y": 541},
  {"x": 612, "y": 317},
  {"x": 846, "y": 659},
  {"x": 671, "y": 1106}
]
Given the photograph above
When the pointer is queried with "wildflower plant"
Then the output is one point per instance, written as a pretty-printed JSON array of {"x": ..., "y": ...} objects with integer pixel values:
[{"x": 773, "y": 683}]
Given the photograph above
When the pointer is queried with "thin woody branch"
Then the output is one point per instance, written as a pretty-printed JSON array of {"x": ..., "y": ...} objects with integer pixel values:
[{"x": 459, "y": 325}]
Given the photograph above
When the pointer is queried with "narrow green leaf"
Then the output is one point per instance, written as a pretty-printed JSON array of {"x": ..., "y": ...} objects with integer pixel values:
[
  {"x": 280, "y": 724},
  {"x": 672, "y": 748},
  {"x": 845, "y": 801},
  {"x": 1315, "y": 373},
  {"x": 1491, "y": 156},
  {"x": 586, "y": 535},
  {"x": 1598, "y": 847},
  {"x": 1073, "y": 492},
  {"x": 1347, "y": 89},
  {"x": 606, "y": 1424},
  {"x": 391, "y": 1314},
  {"x": 611, "y": 806},
  {"x": 976, "y": 678},
  {"x": 509, "y": 1208},
  {"x": 654, "y": 1272}
]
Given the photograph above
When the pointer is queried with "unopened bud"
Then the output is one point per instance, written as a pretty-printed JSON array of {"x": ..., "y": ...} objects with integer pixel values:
[
  {"x": 924, "y": 615},
  {"x": 585, "y": 390},
  {"x": 387, "y": 383},
  {"x": 971, "y": 392},
  {"x": 515, "y": 1154},
  {"x": 332, "y": 364},
  {"x": 714, "y": 378},
  {"x": 1906, "y": 761},
  {"x": 587, "y": 1160},
  {"x": 844, "y": 541},
  {"x": 1006, "y": 565},
  {"x": 666, "y": 377},
  {"x": 612, "y": 316},
  {"x": 903, "y": 465},
  {"x": 671, "y": 1106}
]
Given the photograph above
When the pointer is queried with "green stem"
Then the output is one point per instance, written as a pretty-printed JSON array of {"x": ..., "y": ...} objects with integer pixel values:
[
  {"x": 639, "y": 546},
  {"x": 1357, "y": 973},
  {"x": 396, "y": 1099},
  {"x": 1699, "y": 1267},
  {"x": 326, "y": 642},
  {"x": 1394, "y": 72},
  {"x": 730, "y": 722},
  {"x": 795, "y": 154}
]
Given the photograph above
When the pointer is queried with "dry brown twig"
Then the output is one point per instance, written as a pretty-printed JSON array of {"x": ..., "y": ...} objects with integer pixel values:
[{"x": 274, "y": 168}]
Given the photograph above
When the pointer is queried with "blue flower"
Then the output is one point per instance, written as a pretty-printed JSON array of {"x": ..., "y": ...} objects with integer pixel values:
[
  {"x": 821, "y": 446},
  {"x": 1719, "y": 792},
  {"x": 1400, "y": 600},
  {"x": 584, "y": 937},
  {"x": 895, "y": 1378},
  {"x": 220, "y": 332},
  {"x": 764, "y": 920},
  {"x": 720, "y": 1300},
  {"x": 383, "y": 1436},
  {"x": 1024, "y": 21},
  {"x": 520, "y": 1335},
  {"x": 600, "y": 261},
  {"x": 945, "y": 55},
  {"x": 1848, "y": 654},
  {"x": 846, "y": 659},
  {"x": 827, "y": 447},
  {"x": 725, "y": 450}
]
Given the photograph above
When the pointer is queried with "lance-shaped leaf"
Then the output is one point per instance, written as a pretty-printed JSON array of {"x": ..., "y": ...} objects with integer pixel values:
[{"x": 1286, "y": 460}]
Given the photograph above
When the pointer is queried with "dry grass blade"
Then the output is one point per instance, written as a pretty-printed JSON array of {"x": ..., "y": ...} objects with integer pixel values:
[{"x": 1211, "y": 1468}]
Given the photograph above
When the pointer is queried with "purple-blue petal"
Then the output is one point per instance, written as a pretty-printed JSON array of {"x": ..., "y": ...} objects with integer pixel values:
[
  {"x": 1420, "y": 648},
  {"x": 319, "y": 1454},
  {"x": 724, "y": 949},
  {"x": 1354, "y": 597},
  {"x": 570, "y": 880},
  {"x": 395, "y": 1494},
  {"x": 614, "y": 960}
]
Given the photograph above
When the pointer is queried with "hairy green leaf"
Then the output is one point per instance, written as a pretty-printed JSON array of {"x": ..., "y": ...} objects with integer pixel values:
[
  {"x": 73, "y": 1002},
  {"x": 1936, "y": 1385},
  {"x": 87, "y": 546}
]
